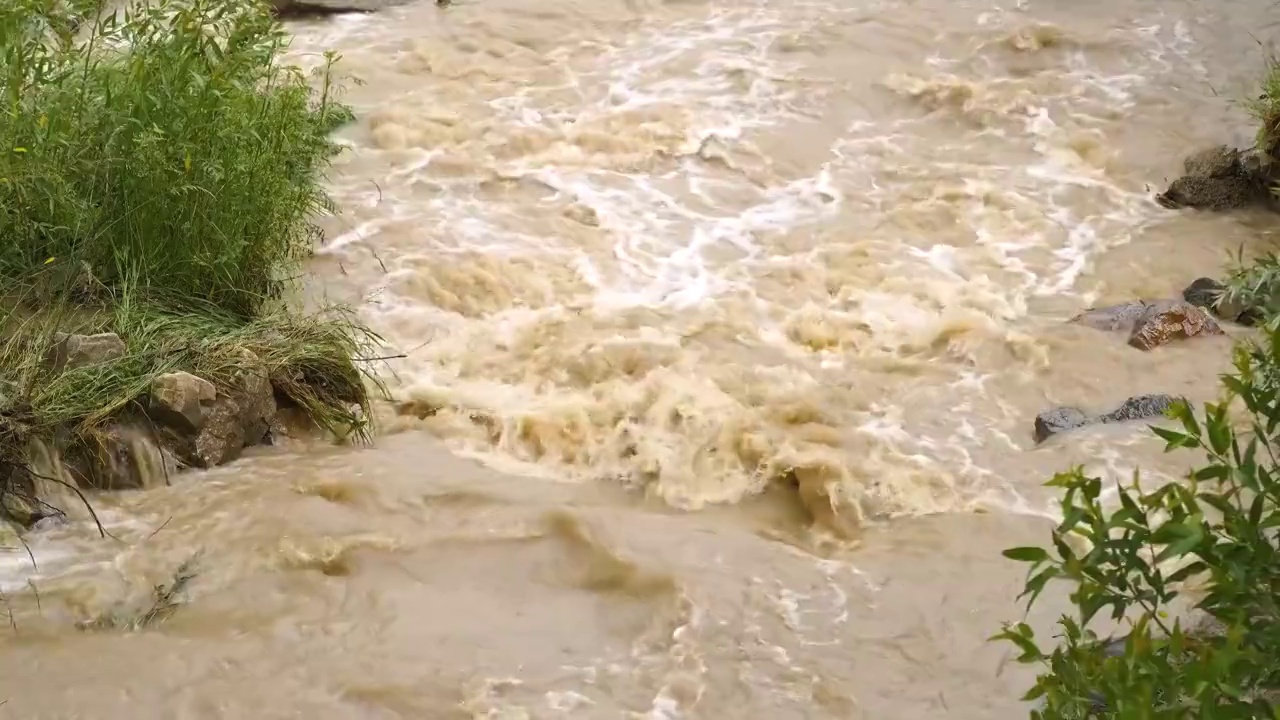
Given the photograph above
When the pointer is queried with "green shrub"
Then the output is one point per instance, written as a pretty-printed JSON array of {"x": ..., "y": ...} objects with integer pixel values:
[
  {"x": 163, "y": 148},
  {"x": 1210, "y": 540}
]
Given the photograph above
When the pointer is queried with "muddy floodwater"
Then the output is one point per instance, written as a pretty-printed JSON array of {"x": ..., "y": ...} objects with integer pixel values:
[{"x": 724, "y": 325}]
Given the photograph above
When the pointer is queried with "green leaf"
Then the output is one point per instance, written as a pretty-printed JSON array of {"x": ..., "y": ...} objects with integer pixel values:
[
  {"x": 1183, "y": 546},
  {"x": 1027, "y": 554},
  {"x": 1174, "y": 439}
]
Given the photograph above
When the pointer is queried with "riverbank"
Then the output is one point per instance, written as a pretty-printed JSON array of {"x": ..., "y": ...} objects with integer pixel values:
[{"x": 161, "y": 175}]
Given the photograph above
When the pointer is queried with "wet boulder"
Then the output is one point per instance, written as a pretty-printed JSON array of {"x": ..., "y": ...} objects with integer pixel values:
[
  {"x": 1215, "y": 179},
  {"x": 315, "y": 8},
  {"x": 1139, "y": 407},
  {"x": 1210, "y": 294},
  {"x": 180, "y": 400},
  {"x": 222, "y": 437},
  {"x": 251, "y": 385},
  {"x": 1151, "y": 324},
  {"x": 1113, "y": 317},
  {"x": 240, "y": 415},
  {"x": 1167, "y": 321},
  {"x": 1204, "y": 292},
  {"x": 1057, "y": 420}
]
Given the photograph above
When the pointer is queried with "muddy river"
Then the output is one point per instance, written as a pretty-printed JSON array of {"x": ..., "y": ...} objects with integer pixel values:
[{"x": 724, "y": 325}]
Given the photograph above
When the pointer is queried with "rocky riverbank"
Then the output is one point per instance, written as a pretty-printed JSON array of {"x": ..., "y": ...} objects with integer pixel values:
[{"x": 124, "y": 412}]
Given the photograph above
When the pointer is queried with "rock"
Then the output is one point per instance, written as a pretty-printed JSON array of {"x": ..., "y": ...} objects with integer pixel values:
[
  {"x": 222, "y": 437},
  {"x": 304, "y": 8},
  {"x": 1151, "y": 324},
  {"x": 20, "y": 510},
  {"x": 1140, "y": 407},
  {"x": 1204, "y": 292},
  {"x": 1167, "y": 321},
  {"x": 76, "y": 351},
  {"x": 240, "y": 415},
  {"x": 1238, "y": 311},
  {"x": 1218, "y": 161},
  {"x": 1209, "y": 294},
  {"x": 1059, "y": 419},
  {"x": 1114, "y": 317},
  {"x": 254, "y": 395},
  {"x": 180, "y": 399},
  {"x": 1214, "y": 179},
  {"x": 50, "y": 522},
  {"x": 1062, "y": 419}
]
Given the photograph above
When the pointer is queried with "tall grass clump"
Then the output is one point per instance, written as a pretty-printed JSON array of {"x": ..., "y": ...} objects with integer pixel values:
[
  {"x": 161, "y": 169},
  {"x": 1266, "y": 110},
  {"x": 164, "y": 147}
]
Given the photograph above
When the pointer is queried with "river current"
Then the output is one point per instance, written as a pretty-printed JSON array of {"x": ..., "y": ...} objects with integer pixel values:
[{"x": 723, "y": 328}]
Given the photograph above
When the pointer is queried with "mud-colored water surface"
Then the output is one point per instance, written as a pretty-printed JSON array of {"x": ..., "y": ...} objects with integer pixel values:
[{"x": 724, "y": 326}]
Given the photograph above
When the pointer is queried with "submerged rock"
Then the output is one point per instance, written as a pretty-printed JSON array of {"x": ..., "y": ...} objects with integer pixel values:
[
  {"x": 1057, "y": 420},
  {"x": 1113, "y": 317},
  {"x": 1210, "y": 295},
  {"x": 1214, "y": 179},
  {"x": 1167, "y": 321},
  {"x": 1151, "y": 324},
  {"x": 1204, "y": 292},
  {"x": 1139, "y": 407},
  {"x": 304, "y": 8}
]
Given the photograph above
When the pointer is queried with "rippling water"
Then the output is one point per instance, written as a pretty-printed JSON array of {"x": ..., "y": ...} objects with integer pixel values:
[{"x": 724, "y": 323}]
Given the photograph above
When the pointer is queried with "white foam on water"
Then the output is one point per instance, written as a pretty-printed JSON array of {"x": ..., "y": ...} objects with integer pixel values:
[{"x": 665, "y": 217}]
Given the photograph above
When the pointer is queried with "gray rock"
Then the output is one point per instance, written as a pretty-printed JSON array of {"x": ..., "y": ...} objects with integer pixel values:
[
  {"x": 1140, "y": 407},
  {"x": 222, "y": 438},
  {"x": 1057, "y": 420},
  {"x": 254, "y": 395},
  {"x": 1113, "y": 317},
  {"x": 1210, "y": 295},
  {"x": 1218, "y": 161},
  {"x": 77, "y": 351},
  {"x": 1061, "y": 419},
  {"x": 1237, "y": 311},
  {"x": 303, "y": 8},
  {"x": 180, "y": 400},
  {"x": 1215, "y": 179},
  {"x": 240, "y": 415},
  {"x": 1204, "y": 292},
  {"x": 1152, "y": 323}
]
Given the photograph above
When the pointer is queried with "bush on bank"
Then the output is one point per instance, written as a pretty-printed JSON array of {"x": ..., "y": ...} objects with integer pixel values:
[
  {"x": 160, "y": 171},
  {"x": 1190, "y": 570},
  {"x": 162, "y": 148}
]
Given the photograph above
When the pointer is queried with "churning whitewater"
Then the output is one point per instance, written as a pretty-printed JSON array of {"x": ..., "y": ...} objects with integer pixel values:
[{"x": 723, "y": 326}]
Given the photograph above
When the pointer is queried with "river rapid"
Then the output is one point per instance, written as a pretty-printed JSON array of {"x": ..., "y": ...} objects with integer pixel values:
[{"x": 724, "y": 325}]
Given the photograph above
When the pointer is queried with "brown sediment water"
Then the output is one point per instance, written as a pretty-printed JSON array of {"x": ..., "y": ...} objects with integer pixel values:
[{"x": 724, "y": 327}]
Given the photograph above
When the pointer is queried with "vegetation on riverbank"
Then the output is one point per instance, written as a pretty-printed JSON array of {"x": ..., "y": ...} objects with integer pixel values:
[
  {"x": 1189, "y": 570},
  {"x": 160, "y": 171}
]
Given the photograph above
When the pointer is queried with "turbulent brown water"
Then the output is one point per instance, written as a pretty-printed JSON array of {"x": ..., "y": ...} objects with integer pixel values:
[{"x": 725, "y": 324}]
